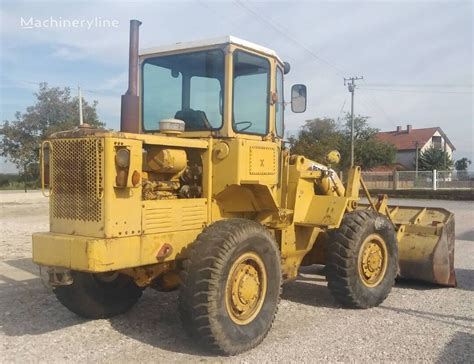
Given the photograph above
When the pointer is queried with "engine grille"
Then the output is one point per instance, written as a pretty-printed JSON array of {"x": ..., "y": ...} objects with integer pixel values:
[{"x": 76, "y": 179}]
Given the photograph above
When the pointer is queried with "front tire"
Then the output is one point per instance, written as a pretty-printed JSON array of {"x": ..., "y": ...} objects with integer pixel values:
[
  {"x": 97, "y": 296},
  {"x": 231, "y": 285},
  {"x": 362, "y": 260}
]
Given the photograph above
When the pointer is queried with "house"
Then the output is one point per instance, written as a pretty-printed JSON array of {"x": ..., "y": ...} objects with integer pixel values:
[{"x": 409, "y": 140}]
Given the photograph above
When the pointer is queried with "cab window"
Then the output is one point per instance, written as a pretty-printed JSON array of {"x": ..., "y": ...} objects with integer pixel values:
[
  {"x": 251, "y": 80},
  {"x": 185, "y": 86},
  {"x": 206, "y": 94}
]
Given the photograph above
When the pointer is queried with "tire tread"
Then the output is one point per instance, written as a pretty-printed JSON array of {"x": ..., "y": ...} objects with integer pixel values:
[{"x": 342, "y": 271}]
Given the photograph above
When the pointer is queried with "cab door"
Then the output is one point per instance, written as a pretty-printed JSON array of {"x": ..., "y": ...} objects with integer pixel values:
[{"x": 253, "y": 115}]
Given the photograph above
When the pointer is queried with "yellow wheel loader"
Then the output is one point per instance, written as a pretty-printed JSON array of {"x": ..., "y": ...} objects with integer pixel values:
[{"x": 197, "y": 192}]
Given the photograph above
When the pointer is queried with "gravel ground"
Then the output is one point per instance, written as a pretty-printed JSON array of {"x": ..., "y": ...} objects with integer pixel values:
[{"x": 416, "y": 323}]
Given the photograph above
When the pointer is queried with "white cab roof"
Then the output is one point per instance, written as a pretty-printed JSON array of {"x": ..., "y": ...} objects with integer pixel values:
[{"x": 209, "y": 42}]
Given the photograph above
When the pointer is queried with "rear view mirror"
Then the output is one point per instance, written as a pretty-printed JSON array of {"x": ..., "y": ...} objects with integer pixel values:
[{"x": 298, "y": 98}]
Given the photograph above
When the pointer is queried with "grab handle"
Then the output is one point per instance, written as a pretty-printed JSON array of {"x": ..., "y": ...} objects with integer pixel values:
[{"x": 42, "y": 155}]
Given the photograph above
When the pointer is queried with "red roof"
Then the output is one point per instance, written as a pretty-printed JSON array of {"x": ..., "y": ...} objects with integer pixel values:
[{"x": 406, "y": 140}]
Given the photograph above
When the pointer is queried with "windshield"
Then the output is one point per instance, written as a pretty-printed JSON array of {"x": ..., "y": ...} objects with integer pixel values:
[{"x": 186, "y": 86}]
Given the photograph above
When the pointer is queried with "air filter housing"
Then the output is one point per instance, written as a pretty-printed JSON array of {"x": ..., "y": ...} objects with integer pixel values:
[{"x": 171, "y": 126}]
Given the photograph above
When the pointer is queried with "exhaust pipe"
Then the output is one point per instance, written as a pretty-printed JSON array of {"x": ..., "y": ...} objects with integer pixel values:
[{"x": 129, "y": 118}]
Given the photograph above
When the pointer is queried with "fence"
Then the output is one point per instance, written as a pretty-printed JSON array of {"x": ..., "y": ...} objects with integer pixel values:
[{"x": 428, "y": 180}]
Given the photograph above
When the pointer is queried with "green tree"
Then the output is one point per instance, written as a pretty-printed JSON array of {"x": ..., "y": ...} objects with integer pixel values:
[
  {"x": 368, "y": 151},
  {"x": 54, "y": 110},
  {"x": 462, "y": 164},
  {"x": 316, "y": 138},
  {"x": 319, "y": 136},
  {"x": 434, "y": 158}
]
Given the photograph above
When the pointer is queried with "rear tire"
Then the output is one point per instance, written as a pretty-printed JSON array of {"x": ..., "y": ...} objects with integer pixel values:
[
  {"x": 95, "y": 296},
  {"x": 231, "y": 285},
  {"x": 362, "y": 260}
]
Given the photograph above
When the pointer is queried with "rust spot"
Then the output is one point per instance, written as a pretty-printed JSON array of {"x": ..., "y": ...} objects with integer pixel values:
[
  {"x": 164, "y": 251},
  {"x": 135, "y": 178}
]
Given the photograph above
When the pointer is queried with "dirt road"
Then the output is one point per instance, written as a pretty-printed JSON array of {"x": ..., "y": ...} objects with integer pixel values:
[{"x": 417, "y": 322}]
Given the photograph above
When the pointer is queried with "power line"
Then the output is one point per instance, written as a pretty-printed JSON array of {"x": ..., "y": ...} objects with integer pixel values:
[
  {"x": 94, "y": 91},
  {"x": 342, "y": 109},
  {"x": 416, "y": 85},
  {"x": 377, "y": 107},
  {"x": 416, "y": 91},
  {"x": 219, "y": 17},
  {"x": 276, "y": 27},
  {"x": 373, "y": 100},
  {"x": 287, "y": 35},
  {"x": 380, "y": 107}
]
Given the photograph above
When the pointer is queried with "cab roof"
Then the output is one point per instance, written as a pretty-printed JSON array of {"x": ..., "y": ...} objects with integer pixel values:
[{"x": 228, "y": 39}]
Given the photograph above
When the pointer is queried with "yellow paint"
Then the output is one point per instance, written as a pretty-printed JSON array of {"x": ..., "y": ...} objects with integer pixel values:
[
  {"x": 246, "y": 288},
  {"x": 103, "y": 255},
  {"x": 372, "y": 260},
  {"x": 325, "y": 211},
  {"x": 160, "y": 216},
  {"x": 97, "y": 226},
  {"x": 353, "y": 184}
]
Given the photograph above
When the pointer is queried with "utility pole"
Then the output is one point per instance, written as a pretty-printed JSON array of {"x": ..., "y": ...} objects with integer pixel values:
[
  {"x": 350, "y": 83},
  {"x": 81, "y": 121}
]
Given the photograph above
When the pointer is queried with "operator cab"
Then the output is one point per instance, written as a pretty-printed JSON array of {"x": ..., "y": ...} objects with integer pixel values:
[{"x": 220, "y": 87}]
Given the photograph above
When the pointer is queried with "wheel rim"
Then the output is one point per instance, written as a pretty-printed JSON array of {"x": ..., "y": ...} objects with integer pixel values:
[
  {"x": 372, "y": 261},
  {"x": 246, "y": 288}
]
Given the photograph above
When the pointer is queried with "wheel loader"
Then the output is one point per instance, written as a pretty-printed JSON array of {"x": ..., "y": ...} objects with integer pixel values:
[{"x": 197, "y": 192}]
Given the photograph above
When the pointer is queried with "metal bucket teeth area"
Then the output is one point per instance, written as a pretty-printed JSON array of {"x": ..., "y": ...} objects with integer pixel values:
[
  {"x": 425, "y": 243},
  {"x": 428, "y": 257}
]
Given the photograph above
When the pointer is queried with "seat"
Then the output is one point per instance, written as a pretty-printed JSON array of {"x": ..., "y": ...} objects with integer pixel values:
[{"x": 194, "y": 119}]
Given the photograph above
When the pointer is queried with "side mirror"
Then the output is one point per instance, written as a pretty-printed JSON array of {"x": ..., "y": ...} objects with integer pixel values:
[{"x": 298, "y": 98}]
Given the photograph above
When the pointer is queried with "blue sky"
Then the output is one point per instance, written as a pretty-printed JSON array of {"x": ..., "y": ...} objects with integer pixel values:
[{"x": 416, "y": 56}]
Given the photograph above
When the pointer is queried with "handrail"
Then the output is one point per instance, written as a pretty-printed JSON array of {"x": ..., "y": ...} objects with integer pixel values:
[{"x": 50, "y": 187}]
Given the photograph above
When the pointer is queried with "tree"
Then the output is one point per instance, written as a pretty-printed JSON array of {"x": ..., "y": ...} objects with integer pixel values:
[
  {"x": 316, "y": 138},
  {"x": 462, "y": 164},
  {"x": 319, "y": 136},
  {"x": 368, "y": 151},
  {"x": 54, "y": 110},
  {"x": 434, "y": 158}
]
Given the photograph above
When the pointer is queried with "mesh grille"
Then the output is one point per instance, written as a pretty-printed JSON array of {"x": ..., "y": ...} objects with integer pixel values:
[{"x": 77, "y": 179}]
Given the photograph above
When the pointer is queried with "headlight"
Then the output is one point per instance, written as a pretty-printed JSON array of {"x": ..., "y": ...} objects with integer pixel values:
[{"x": 122, "y": 158}]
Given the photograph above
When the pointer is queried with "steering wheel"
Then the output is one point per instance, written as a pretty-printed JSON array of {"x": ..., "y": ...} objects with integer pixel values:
[{"x": 247, "y": 123}]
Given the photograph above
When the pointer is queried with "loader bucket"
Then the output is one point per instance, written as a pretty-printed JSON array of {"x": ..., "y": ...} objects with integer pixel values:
[{"x": 425, "y": 244}]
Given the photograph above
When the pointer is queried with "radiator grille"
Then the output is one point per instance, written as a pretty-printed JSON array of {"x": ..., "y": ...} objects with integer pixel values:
[{"x": 76, "y": 176}]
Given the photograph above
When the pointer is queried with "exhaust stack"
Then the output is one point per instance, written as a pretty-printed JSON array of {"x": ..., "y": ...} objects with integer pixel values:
[{"x": 129, "y": 118}]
